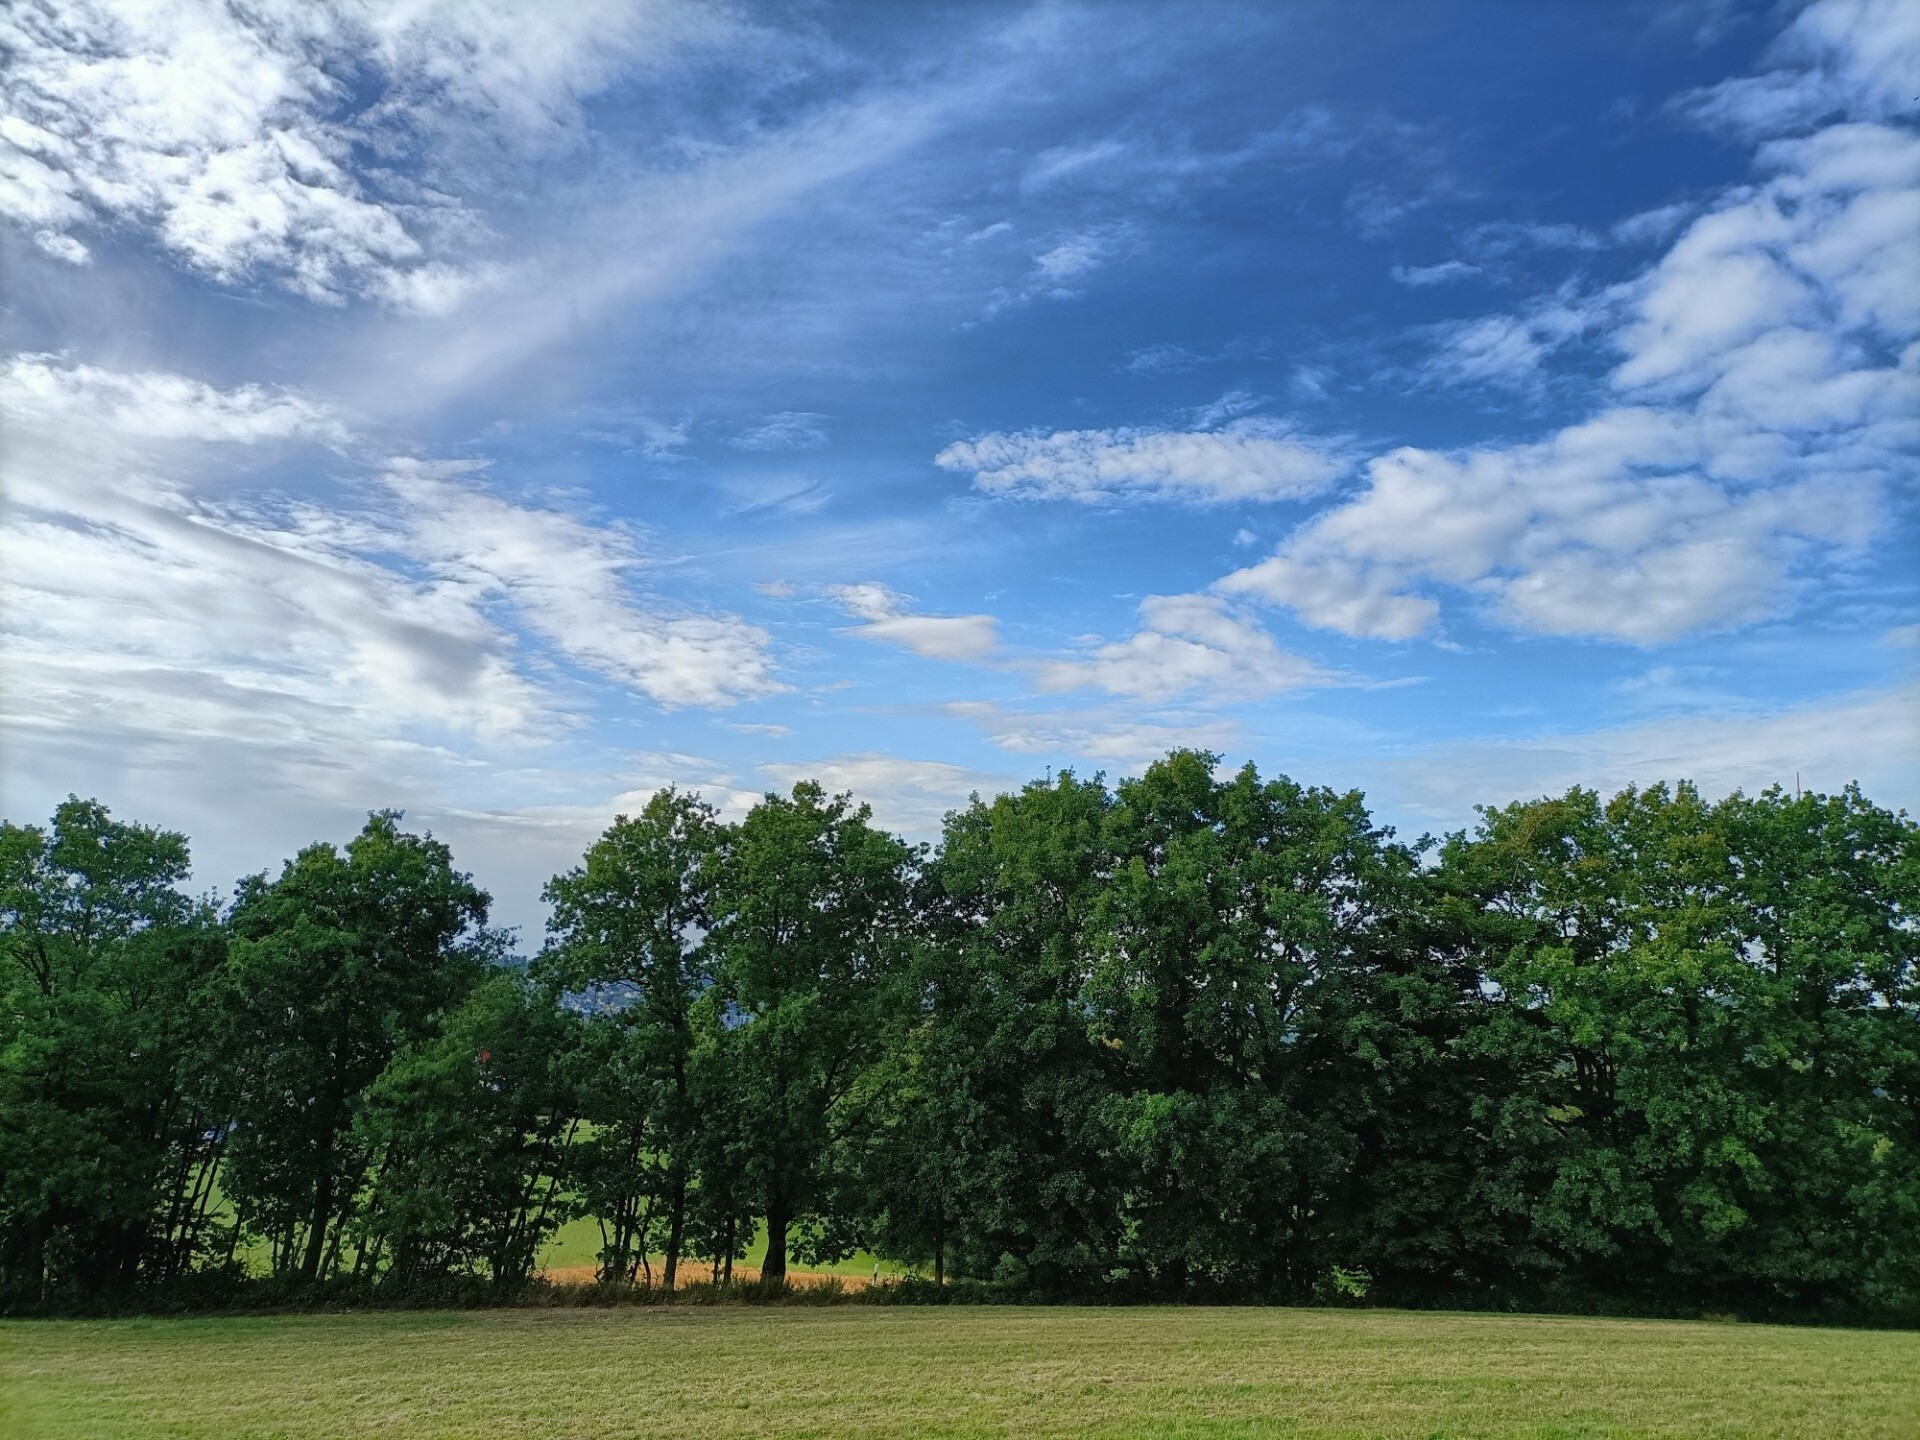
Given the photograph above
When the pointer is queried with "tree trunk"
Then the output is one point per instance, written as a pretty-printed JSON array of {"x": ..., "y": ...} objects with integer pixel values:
[
  {"x": 322, "y": 1212},
  {"x": 676, "y": 1231},
  {"x": 774, "y": 1267},
  {"x": 33, "y": 1259}
]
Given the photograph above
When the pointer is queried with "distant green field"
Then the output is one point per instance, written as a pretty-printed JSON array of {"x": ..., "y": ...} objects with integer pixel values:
[
  {"x": 868, "y": 1372},
  {"x": 578, "y": 1243}
]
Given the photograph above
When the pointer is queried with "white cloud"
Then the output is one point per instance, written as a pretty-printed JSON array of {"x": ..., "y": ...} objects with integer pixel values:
[
  {"x": 937, "y": 637},
  {"x": 51, "y": 395},
  {"x": 62, "y": 247},
  {"x": 1057, "y": 270},
  {"x": 1330, "y": 590},
  {"x": 1494, "y": 349},
  {"x": 569, "y": 580},
  {"x": 1187, "y": 644},
  {"x": 1766, "y": 399},
  {"x": 1163, "y": 360},
  {"x": 140, "y": 598},
  {"x": 1855, "y": 57},
  {"x": 1167, "y": 359},
  {"x": 1163, "y": 167},
  {"x": 153, "y": 605},
  {"x": 788, "y": 430},
  {"x": 908, "y": 796},
  {"x": 1505, "y": 237},
  {"x": 1606, "y": 530},
  {"x": 229, "y": 133},
  {"x": 1065, "y": 162},
  {"x": 1229, "y": 406},
  {"x": 1249, "y": 459},
  {"x": 1444, "y": 273},
  {"x": 619, "y": 254},
  {"x": 1099, "y": 737},
  {"x": 1650, "y": 227},
  {"x": 1871, "y": 736}
]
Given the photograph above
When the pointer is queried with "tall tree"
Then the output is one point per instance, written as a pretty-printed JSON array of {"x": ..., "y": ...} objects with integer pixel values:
[
  {"x": 810, "y": 930},
  {"x": 1242, "y": 947},
  {"x": 1708, "y": 1014},
  {"x": 1826, "y": 914},
  {"x": 110, "y": 1108},
  {"x": 470, "y": 1131},
  {"x": 1028, "y": 1189},
  {"x": 337, "y": 964},
  {"x": 631, "y": 923}
]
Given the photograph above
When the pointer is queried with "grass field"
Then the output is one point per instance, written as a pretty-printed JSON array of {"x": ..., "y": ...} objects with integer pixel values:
[
  {"x": 860, "y": 1371},
  {"x": 575, "y": 1247}
]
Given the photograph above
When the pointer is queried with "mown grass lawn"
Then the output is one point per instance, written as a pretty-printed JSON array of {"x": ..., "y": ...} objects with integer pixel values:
[{"x": 866, "y": 1371}]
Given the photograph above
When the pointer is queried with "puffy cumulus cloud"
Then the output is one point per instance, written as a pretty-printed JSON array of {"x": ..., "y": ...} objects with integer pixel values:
[
  {"x": 1250, "y": 459},
  {"x": 937, "y": 637},
  {"x": 1187, "y": 644},
  {"x": 1766, "y": 399},
  {"x": 909, "y": 796},
  {"x": 1337, "y": 592},
  {"x": 1870, "y": 736},
  {"x": 1608, "y": 529},
  {"x": 231, "y": 133}
]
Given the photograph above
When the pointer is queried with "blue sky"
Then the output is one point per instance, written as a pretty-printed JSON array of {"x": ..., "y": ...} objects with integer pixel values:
[{"x": 500, "y": 411}]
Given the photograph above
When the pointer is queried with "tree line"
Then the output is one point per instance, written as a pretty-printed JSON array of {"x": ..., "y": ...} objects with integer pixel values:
[{"x": 1191, "y": 1034}]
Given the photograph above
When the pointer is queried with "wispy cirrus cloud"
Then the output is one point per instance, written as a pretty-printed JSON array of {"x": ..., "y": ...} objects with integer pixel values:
[
  {"x": 788, "y": 430},
  {"x": 1247, "y": 459},
  {"x": 137, "y": 558},
  {"x": 1446, "y": 272}
]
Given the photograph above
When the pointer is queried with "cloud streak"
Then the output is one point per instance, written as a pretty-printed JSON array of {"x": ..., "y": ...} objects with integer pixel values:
[
  {"x": 1248, "y": 460},
  {"x": 884, "y": 617}
]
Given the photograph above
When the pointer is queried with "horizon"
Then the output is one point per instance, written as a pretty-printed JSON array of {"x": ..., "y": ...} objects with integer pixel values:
[{"x": 495, "y": 421}]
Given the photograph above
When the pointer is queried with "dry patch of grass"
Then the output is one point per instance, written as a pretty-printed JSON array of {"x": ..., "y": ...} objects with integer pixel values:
[
  {"x": 700, "y": 1275},
  {"x": 960, "y": 1372}
]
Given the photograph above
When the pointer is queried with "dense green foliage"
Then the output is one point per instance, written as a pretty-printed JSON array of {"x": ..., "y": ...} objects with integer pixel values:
[{"x": 1193, "y": 1034}]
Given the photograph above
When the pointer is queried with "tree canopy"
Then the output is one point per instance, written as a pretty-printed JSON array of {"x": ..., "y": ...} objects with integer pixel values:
[{"x": 1197, "y": 1032}]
